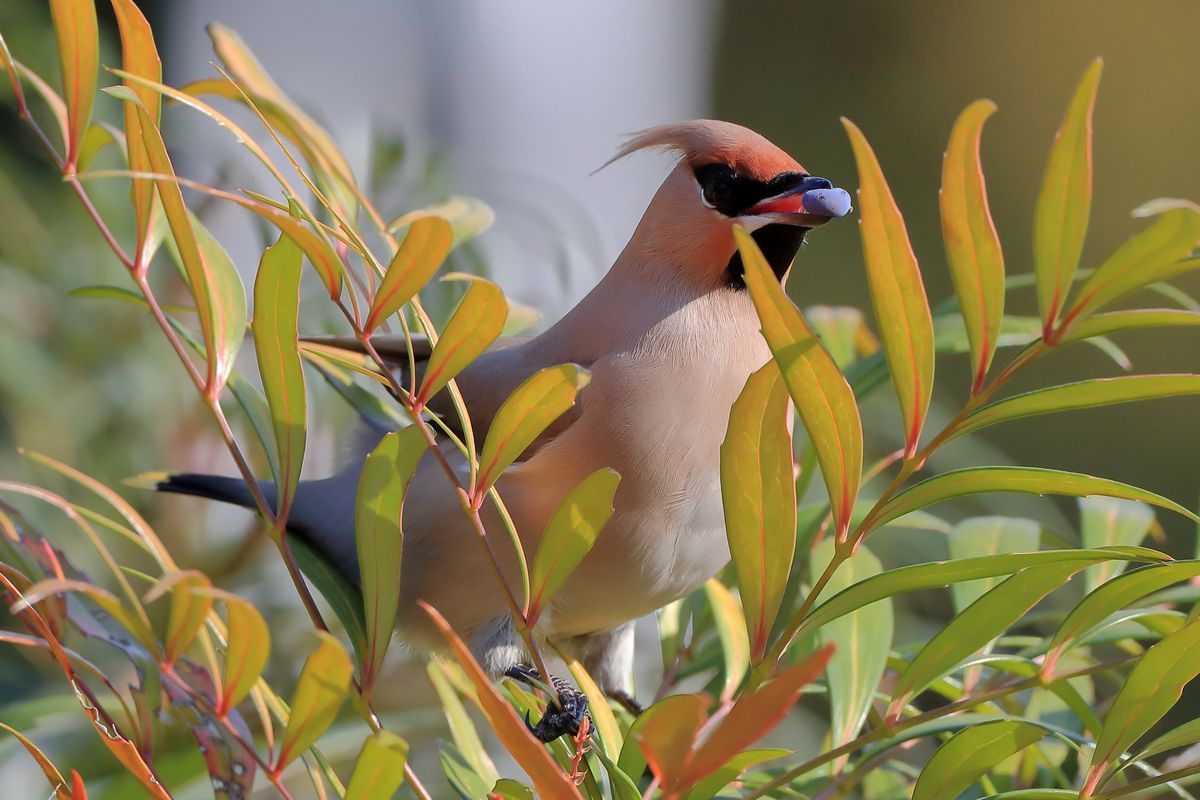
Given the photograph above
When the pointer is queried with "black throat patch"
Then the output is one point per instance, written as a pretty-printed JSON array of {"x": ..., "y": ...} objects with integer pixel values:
[{"x": 779, "y": 245}]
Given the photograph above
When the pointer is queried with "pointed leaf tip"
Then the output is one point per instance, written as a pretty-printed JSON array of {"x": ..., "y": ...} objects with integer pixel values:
[
  {"x": 972, "y": 245},
  {"x": 1064, "y": 202},
  {"x": 897, "y": 290}
]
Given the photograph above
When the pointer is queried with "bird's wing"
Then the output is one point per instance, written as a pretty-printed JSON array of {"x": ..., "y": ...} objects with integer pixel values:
[{"x": 484, "y": 385}]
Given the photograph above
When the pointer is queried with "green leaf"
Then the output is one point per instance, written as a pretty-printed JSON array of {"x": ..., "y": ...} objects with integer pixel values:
[
  {"x": 468, "y": 217},
  {"x": 1151, "y": 689},
  {"x": 707, "y": 788},
  {"x": 607, "y": 732},
  {"x": 1025, "y": 480},
  {"x": 379, "y": 769},
  {"x": 984, "y": 536},
  {"x": 822, "y": 396},
  {"x": 247, "y": 647},
  {"x": 1116, "y": 321},
  {"x": 731, "y": 630},
  {"x": 475, "y": 323},
  {"x": 897, "y": 292},
  {"x": 842, "y": 331},
  {"x": 324, "y": 681},
  {"x": 1186, "y": 734},
  {"x": 462, "y": 729},
  {"x": 972, "y": 246},
  {"x": 524, "y": 416},
  {"x": 276, "y": 345},
  {"x": 1108, "y": 521},
  {"x": 1091, "y": 393},
  {"x": 623, "y": 787},
  {"x": 1110, "y": 597},
  {"x": 970, "y": 754},
  {"x": 1155, "y": 254},
  {"x": 189, "y": 609},
  {"x": 569, "y": 536},
  {"x": 1065, "y": 201},
  {"x": 548, "y": 780},
  {"x": 759, "y": 498},
  {"x": 423, "y": 250},
  {"x": 139, "y": 57},
  {"x": 343, "y": 597},
  {"x": 940, "y": 573},
  {"x": 753, "y": 716},
  {"x": 79, "y": 58},
  {"x": 982, "y": 621},
  {"x": 508, "y": 789},
  {"x": 379, "y": 534},
  {"x": 861, "y": 642}
]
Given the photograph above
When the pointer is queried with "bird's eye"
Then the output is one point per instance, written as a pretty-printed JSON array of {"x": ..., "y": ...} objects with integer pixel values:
[{"x": 716, "y": 185}]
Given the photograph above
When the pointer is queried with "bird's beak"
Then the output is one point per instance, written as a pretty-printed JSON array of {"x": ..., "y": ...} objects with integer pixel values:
[{"x": 809, "y": 202}]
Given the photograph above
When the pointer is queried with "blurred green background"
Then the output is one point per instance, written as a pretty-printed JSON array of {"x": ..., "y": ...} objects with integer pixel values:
[{"x": 91, "y": 384}]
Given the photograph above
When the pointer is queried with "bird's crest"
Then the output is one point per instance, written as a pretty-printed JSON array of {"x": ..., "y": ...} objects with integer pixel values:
[{"x": 711, "y": 141}]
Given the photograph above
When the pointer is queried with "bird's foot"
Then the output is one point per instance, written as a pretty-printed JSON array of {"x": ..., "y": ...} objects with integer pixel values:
[{"x": 564, "y": 714}]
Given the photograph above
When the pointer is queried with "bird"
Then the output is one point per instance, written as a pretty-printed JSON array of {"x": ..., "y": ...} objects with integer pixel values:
[{"x": 670, "y": 337}]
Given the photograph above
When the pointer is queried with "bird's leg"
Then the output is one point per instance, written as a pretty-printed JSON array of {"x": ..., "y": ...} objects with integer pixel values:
[
  {"x": 564, "y": 712},
  {"x": 626, "y": 701}
]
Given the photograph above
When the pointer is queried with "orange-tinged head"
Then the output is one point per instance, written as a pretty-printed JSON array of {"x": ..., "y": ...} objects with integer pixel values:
[{"x": 727, "y": 175}]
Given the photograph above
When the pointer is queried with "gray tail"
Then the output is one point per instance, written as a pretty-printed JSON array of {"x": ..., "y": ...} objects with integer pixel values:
[
  {"x": 315, "y": 519},
  {"x": 212, "y": 487}
]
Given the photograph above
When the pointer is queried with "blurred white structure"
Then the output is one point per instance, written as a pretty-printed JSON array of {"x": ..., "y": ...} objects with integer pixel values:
[{"x": 524, "y": 98}]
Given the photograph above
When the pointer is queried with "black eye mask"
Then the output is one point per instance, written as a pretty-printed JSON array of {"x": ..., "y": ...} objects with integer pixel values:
[{"x": 733, "y": 195}]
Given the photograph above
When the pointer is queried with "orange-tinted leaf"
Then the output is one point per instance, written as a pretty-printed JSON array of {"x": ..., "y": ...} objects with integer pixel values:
[
  {"x": 755, "y": 714},
  {"x": 140, "y": 58},
  {"x": 524, "y": 416},
  {"x": 277, "y": 347},
  {"x": 758, "y": 490},
  {"x": 666, "y": 732},
  {"x": 1155, "y": 254},
  {"x": 380, "y": 536},
  {"x": 822, "y": 396},
  {"x": 569, "y": 536},
  {"x": 189, "y": 609},
  {"x": 475, "y": 323},
  {"x": 897, "y": 292},
  {"x": 330, "y": 166},
  {"x": 379, "y": 769},
  {"x": 210, "y": 274},
  {"x": 79, "y": 58},
  {"x": 1065, "y": 201},
  {"x": 57, "y": 784},
  {"x": 548, "y": 779},
  {"x": 423, "y": 250},
  {"x": 324, "y": 680},
  {"x": 972, "y": 246}
]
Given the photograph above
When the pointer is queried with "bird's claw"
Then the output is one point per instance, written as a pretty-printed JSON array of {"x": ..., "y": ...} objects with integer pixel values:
[{"x": 564, "y": 714}]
